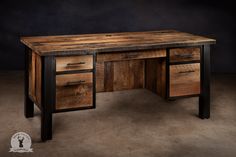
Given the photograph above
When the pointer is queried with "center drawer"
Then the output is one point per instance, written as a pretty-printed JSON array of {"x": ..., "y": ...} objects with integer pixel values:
[
  {"x": 74, "y": 91},
  {"x": 118, "y": 56}
]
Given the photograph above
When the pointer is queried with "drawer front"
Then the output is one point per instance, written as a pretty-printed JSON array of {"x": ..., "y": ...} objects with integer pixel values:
[
  {"x": 184, "y": 54},
  {"x": 74, "y": 91},
  {"x": 74, "y": 63},
  {"x": 117, "y": 56},
  {"x": 184, "y": 79}
]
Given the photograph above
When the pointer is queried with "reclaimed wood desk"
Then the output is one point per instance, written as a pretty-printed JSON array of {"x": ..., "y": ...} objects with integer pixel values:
[{"x": 63, "y": 73}]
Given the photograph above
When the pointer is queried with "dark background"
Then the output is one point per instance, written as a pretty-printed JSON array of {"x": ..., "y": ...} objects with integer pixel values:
[{"x": 54, "y": 17}]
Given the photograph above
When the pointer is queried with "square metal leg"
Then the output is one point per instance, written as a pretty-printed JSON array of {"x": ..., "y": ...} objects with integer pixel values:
[{"x": 204, "y": 99}]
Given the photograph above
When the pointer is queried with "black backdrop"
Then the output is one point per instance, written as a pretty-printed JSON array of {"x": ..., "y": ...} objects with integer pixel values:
[{"x": 53, "y": 17}]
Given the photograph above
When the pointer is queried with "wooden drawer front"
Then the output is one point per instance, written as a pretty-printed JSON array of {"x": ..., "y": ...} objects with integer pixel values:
[
  {"x": 184, "y": 79},
  {"x": 74, "y": 63},
  {"x": 131, "y": 55},
  {"x": 74, "y": 90},
  {"x": 184, "y": 54}
]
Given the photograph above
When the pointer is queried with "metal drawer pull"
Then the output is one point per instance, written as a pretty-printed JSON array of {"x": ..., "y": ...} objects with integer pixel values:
[
  {"x": 184, "y": 55},
  {"x": 75, "y": 64},
  {"x": 189, "y": 71},
  {"x": 75, "y": 83},
  {"x": 132, "y": 55}
]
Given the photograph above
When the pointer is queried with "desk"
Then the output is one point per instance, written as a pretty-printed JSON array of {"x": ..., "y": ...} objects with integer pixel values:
[{"x": 63, "y": 73}]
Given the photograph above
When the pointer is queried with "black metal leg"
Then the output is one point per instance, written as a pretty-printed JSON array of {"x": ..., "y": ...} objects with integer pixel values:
[
  {"x": 48, "y": 97},
  {"x": 94, "y": 80},
  {"x": 46, "y": 125},
  {"x": 204, "y": 99},
  {"x": 167, "y": 95},
  {"x": 28, "y": 104}
]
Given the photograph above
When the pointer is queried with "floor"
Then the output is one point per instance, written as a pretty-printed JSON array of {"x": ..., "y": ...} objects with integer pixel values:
[{"x": 134, "y": 123}]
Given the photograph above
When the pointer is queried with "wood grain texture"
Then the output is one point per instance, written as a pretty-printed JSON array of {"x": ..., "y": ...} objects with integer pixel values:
[
  {"x": 111, "y": 42},
  {"x": 118, "y": 56},
  {"x": 71, "y": 63},
  {"x": 151, "y": 75},
  {"x": 123, "y": 75},
  {"x": 38, "y": 76},
  {"x": 74, "y": 90},
  {"x": 108, "y": 76},
  {"x": 185, "y": 54},
  {"x": 161, "y": 78},
  {"x": 35, "y": 70},
  {"x": 155, "y": 76},
  {"x": 32, "y": 81},
  {"x": 184, "y": 79},
  {"x": 99, "y": 76},
  {"x": 138, "y": 71},
  {"x": 28, "y": 101},
  {"x": 128, "y": 75}
]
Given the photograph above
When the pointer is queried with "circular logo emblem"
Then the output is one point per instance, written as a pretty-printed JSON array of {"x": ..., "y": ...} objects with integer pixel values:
[{"x": 21, "y": 142}]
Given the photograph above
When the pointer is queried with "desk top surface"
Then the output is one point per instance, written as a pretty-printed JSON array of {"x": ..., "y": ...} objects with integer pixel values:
[{"x": 111, "y": 42}]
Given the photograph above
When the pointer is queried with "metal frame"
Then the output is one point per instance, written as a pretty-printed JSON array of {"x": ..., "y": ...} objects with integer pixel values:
[
  {"x": 49, "y": 87},
  {"x": 94, "y": 88},
  {"x": 167, "y": 73},
  {"x": 186, "y": 62},
  {"x": 48, "y": 104},
  {"x": 74, "y": 71},
  {"x": 204, "y": 99},
  {"x": 94, "y": 79},
  {"x": 48, "y": 96},
  {"x": 204, "y": 96},
  {"x": 168, "y": 64}
]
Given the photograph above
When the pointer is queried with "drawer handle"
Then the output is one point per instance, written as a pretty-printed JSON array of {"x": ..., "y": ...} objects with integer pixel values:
[
  {"x": 189, "y": 71},
  {"x": 75, "y": 64},
  {"x": 184, "y": 55},
  {"x": 75, "y": 83},
  {"x": 132, "y": 55}
]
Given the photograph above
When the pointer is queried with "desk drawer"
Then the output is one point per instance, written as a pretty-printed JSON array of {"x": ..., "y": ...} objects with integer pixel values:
[
  {"x": 184, "y": 79},
  {"x": 74, "y": 91},
  {"x": 118, "y": 56},
  {"x": 74, "y": 63},
  {"x": 184, "y": 54}
]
